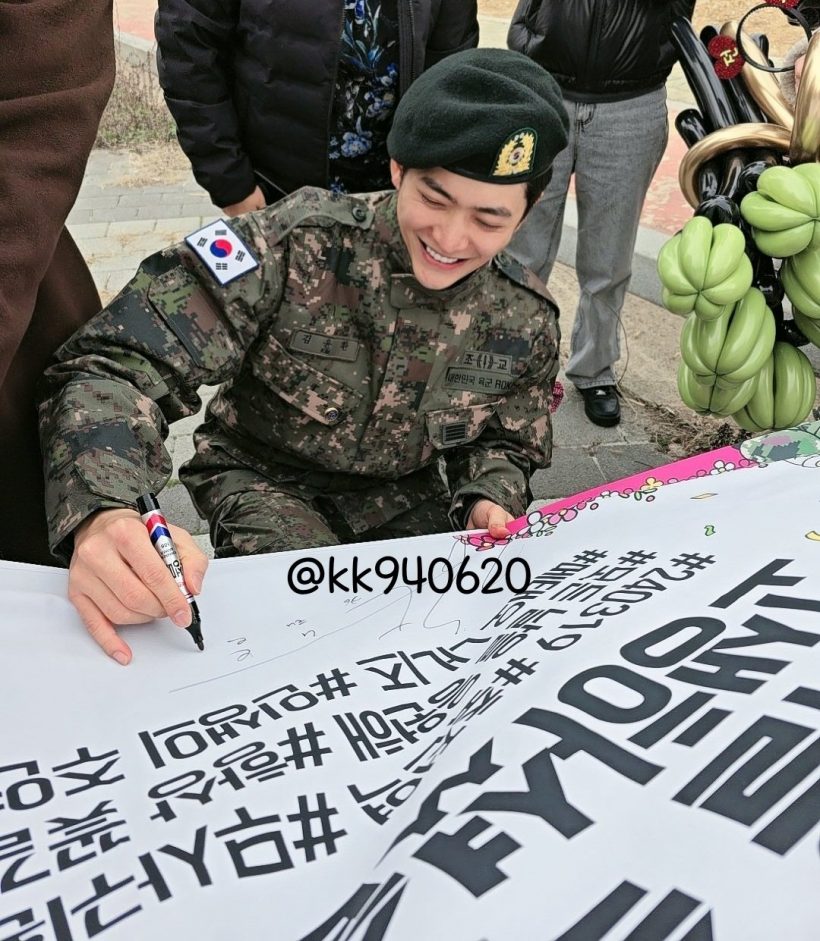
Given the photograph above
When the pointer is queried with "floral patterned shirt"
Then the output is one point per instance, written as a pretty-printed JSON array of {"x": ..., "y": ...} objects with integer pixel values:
[{"x": 366, "y": 92}]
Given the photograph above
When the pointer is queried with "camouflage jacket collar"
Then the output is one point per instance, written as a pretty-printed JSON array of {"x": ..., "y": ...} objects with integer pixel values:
[{"x": 387, "y": 225}]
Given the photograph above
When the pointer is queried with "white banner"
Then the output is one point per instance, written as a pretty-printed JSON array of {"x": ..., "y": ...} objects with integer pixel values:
[{"x": 627, "y": 749}]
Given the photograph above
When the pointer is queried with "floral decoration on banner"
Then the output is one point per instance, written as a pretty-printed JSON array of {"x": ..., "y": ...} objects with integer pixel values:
[
  {"x": 545, "y": 522},
  {"x": 483, "y": 541}
]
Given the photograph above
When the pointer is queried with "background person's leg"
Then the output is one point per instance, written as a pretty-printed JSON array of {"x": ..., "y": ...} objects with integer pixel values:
[
  {"x": 620, "y": 145},
  {"x": 536, "y": 243}
]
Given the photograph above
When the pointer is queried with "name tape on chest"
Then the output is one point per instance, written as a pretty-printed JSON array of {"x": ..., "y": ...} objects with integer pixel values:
[
  {"x": 329, "y": 347},
  {"x": 469, "y": 379},
  {"x": 222, "y": 251},
  {"x": 500, "y": 363},
  {"x": 480, "y": 371}
]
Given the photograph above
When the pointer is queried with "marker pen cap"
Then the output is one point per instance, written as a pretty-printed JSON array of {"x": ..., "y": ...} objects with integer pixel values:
[{"x": 148, "y": 503}]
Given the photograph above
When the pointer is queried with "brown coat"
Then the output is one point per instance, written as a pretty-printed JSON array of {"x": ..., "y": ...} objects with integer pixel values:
[{"x": 52, "y": 94}]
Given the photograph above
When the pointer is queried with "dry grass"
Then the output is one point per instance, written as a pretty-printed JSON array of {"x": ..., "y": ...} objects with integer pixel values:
[
  {"x": 136, "y": 116},
  {"x": 681, "y": 433},
  {"x": 155, "y": 163}
]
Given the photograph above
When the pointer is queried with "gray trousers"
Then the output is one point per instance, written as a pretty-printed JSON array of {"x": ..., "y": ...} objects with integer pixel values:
[{"x": 614, "y": 149}]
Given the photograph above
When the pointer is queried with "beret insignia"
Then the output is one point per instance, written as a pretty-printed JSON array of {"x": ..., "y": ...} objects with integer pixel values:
[{"x": 516, "y": 154}]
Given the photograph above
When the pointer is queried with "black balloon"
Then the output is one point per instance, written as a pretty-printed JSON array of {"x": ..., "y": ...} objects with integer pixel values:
[
  {"x": 750, "y": 174},
  {"x": 698, "y": 66},
  {"x": 719, "y": 209},
  {"x": 691, "y": 128},
  {"x": 766, "y": 279},
  {"x": 709, "y": 178},
  {"x": 761, "y": 40},
  {"x": 733, "y": 163},
  {"x": 744, "y": 107}
]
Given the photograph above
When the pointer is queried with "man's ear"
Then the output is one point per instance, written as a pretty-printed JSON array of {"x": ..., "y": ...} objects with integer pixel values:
[{"x": 396, "y": 173}]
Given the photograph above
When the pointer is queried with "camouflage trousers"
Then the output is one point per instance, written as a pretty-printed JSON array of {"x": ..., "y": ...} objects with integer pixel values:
[{"x": 252, "y": 512}]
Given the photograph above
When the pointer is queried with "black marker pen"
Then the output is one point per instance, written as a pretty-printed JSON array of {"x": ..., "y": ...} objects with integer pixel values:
[{"x": 157, "y": 527}]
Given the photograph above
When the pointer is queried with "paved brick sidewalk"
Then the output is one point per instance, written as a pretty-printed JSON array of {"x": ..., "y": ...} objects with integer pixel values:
[{"x": 117, "y": 223}]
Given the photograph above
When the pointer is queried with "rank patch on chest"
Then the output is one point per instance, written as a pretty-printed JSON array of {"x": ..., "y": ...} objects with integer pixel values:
[
  {"x": 453, "y": 433},
  {"x": 319, "y": 344},
  {"x": 222, "y": 251}
]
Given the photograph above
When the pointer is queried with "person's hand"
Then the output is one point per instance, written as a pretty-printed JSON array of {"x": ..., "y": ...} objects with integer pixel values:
[
  {"x": 117, "y": 577},
  {"x": 490, "y": 516},
  {"x": 255, "y": 201}
]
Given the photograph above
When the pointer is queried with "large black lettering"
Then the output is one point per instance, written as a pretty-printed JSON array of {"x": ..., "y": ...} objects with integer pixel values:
[
  {"x": 768, "y": 631},
  {"x": 479, "y": 770},
  {"x": 654, "y": 695},
  {"x": 779, "y": 738},
  {"x": 474, "y": 867},
  {"x": 574, "y": 737},
  {"x": 545, "y": 798},
  {"x": 764, "y": 576},
  {"x": 726, "y": 674},
  {"x": 370, "y": 908},
  {"x": 638, "y": 651}
]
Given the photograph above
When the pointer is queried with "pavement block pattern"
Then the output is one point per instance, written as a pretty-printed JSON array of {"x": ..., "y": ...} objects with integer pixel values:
[{"x": 116, "y": 222}]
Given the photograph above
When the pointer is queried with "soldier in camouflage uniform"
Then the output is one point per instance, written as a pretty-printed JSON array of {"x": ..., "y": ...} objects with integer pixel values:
[{"x": 357, "y": 341}]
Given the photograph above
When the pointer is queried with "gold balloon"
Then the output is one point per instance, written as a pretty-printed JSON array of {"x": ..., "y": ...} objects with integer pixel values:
[
  {"x": 718, "y": 142},
  {"x": 805, "y": 142},
  {"x": 763, "y": 86}
]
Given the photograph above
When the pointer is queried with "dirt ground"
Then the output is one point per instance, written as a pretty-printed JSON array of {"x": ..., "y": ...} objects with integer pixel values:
[{"x": 771, "y": 22}]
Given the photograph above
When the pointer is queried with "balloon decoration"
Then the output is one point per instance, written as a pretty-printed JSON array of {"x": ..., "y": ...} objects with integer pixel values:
[{"x": 752, "y": 176}]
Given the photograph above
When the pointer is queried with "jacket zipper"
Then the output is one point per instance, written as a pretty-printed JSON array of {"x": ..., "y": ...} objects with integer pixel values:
[
  {"x": 407, "y": 28},
  {"x": 595, "y": 32},
  {"x": 333, "y": 90}
]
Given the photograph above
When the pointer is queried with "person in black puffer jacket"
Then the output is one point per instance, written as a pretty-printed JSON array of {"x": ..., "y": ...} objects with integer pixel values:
[
  {"x": 271, "y": 95},
  {"x": 611, "y": 59}
]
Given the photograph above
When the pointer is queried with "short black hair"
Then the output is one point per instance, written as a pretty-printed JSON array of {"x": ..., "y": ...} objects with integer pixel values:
[{"x": 535, "y": 187}]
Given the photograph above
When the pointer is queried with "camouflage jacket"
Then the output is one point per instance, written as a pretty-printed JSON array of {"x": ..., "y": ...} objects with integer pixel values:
[{"x": 330, "y": 356}]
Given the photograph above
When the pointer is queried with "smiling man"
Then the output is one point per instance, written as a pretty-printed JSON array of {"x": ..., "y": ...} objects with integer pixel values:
[{"x": 385, "y": 369}]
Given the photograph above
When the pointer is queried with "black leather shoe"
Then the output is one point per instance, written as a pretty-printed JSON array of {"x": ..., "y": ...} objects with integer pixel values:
[{"x": 601, "y": 405}]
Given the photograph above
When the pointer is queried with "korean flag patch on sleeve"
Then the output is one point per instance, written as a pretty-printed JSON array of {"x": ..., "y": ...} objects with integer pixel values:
[{"x": 222, "y": 251}]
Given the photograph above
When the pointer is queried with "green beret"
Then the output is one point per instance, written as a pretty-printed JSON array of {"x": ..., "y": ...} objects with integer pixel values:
[{"x": 489, "y": 114}]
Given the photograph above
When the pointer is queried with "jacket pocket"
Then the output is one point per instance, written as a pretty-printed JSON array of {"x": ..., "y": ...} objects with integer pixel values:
[
  {"x": 296, "y": 408},
  {"x": 451, "y": 427},
  {"x": 193, "y": 317},
  {"x": 318, "y": 396}
]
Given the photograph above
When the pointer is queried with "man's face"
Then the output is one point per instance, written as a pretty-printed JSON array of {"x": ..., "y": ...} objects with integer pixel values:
[{"x": 452, "y": 225}]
